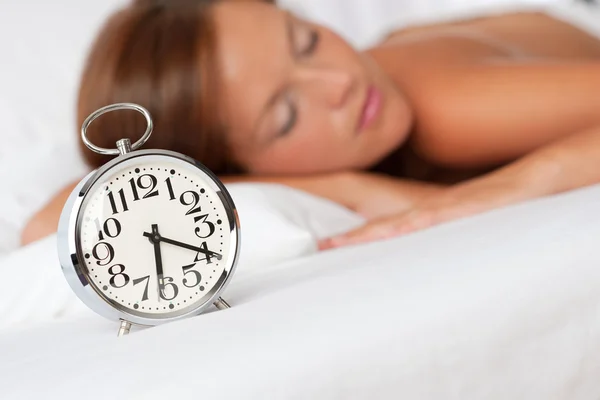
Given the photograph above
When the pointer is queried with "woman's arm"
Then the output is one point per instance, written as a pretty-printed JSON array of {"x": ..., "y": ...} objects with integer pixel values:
[
  {"x": 570, "y": 163},
  {"x": 45, "y": 221},
  {"x": 494, "y": 112},
  {"x": 371, "y": 195}
]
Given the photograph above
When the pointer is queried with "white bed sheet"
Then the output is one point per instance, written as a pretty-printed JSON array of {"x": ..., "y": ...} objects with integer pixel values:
[{"x": 504, "y": 305}]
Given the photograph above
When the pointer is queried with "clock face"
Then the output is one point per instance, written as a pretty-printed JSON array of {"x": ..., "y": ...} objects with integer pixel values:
[{"x": 155, "y": 237}]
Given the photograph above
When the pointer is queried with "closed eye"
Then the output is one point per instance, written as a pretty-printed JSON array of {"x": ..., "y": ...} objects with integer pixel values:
[
  {"x": 312, "y": 44},
  {"x": 303, "y": 42},
  {"x": 291, "y": 117}
]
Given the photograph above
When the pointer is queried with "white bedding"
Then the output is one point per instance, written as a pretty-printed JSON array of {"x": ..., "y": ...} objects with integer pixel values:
[{"x": 504, "y": 305}]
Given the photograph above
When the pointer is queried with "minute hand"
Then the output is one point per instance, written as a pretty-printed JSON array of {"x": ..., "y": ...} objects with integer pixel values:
[{"x": 207, "y": 253}]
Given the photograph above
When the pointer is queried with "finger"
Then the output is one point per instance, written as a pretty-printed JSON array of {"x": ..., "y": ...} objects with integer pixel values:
[
  {"x": 400, "y": 225},
  {"x": 367, "y": 233}
]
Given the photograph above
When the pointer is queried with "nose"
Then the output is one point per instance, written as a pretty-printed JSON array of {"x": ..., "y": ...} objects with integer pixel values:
[{"x": 333, "y": 86}]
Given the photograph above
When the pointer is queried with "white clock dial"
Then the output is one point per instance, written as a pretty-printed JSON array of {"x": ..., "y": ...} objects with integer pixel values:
[{"x": 154, "y": 237}]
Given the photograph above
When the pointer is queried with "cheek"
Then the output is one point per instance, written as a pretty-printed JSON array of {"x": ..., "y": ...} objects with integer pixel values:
[{"x": 313, "y": 150}]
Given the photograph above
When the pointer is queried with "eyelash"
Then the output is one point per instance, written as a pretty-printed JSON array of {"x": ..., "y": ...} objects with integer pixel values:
[
  {"x": 314, "y": 41},
  {"x": 292, "y": 119}
]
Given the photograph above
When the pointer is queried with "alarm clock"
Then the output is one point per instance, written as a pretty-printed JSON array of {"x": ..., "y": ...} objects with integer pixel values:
[{"x": 150, "y": 237}]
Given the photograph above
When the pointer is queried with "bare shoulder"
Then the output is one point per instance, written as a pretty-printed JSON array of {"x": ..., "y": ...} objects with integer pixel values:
[
  {"x": 45, "y": 221},
  {"x": 526, "y": 33}
]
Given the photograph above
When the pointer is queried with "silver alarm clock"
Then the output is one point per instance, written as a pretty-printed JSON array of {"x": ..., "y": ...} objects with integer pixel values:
[{"x": 150, "y": 237}]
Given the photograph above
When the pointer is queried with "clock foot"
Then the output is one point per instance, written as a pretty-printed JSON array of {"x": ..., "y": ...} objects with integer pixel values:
[
  {"x": 124, "y": 328},
  {"x": 221, "y": 304}
]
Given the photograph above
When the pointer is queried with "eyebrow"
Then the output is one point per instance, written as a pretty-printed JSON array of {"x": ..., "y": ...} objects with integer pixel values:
[{"x": 275, "y": 96}]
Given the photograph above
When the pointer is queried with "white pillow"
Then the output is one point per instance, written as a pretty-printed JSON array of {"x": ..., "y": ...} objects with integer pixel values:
[{"x": 277, "y": 224}]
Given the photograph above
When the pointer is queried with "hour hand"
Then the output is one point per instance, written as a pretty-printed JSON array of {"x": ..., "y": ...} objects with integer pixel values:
[{"x": 155, "y": 239}]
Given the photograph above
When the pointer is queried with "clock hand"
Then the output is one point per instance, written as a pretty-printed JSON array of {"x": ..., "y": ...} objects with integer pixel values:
[
  {"x": 190, "y": 247},
  {"x": 155, "y": 239},
  {"x": 207, "y": 253}
]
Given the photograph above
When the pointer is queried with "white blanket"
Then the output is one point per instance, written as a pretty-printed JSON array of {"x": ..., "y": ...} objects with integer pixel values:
[{"x": 504, "y": 305}]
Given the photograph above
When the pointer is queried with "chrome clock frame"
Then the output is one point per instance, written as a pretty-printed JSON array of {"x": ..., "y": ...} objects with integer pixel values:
[{"x": 72, "y": 260}]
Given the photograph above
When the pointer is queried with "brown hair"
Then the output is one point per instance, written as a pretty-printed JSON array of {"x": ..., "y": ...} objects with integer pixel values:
[{"x": 159, "y": 54}]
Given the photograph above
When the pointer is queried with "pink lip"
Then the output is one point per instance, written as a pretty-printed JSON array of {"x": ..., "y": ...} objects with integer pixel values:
[{"x": 371, "y": 108}]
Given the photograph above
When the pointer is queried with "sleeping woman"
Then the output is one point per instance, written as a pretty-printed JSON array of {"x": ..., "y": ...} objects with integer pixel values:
[{"x": 435, "y": 123}]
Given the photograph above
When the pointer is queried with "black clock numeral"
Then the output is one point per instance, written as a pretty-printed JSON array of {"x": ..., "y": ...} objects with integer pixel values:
[
  {"x": 106, "y": 229},
  {"x": 195, "y": 199},
  {"x": 115, "y": 274},
  {"x": 207, "y": 254},
  {"x": 169, "y": 283},
  {"x": 188, "y": 270},
  {"x": 194, "y": 203},
  {"x": 113, "y": 204},
  {"x": 151, "y": 185},
  {"x": 170, "y": 187},
  {"x": 139, "y": 183},
  {"x": 140, "y": 280},
  {"x": 211, "y": 226},
  {"x": 108, "y": 249},
  {"x": 133, "y": 185}
]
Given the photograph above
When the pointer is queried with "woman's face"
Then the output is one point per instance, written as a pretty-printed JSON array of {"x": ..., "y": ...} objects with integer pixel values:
[{"x": 297, "y": 99}]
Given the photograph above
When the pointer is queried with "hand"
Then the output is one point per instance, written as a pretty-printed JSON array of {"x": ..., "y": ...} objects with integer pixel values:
[{"x": 460, "y": 201}]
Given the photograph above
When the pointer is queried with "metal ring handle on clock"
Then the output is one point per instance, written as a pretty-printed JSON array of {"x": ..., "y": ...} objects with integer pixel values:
[{"x": 114, "y": 107}]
